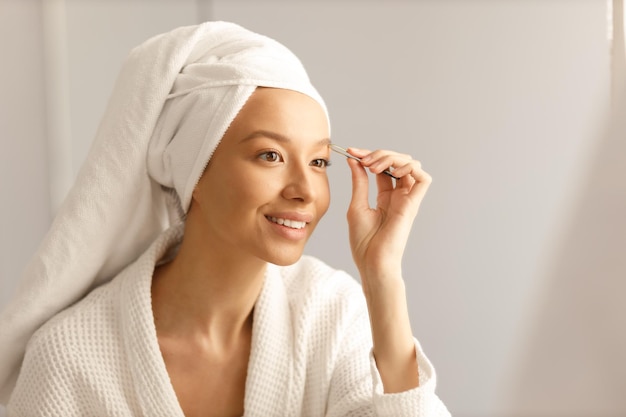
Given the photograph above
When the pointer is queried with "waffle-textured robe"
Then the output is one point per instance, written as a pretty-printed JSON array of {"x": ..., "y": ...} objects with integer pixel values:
[{"x": 310, "y": 355}]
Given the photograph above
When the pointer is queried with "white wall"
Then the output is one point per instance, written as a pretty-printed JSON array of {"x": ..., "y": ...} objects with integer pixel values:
[
  {"x": 24, "y": 214},
  {"x": 503, "y": 102}
]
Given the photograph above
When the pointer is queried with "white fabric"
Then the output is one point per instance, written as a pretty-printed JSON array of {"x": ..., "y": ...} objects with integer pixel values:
[
  {"x": 174, "y": 98},
  {"x": 310, "y": 356}
]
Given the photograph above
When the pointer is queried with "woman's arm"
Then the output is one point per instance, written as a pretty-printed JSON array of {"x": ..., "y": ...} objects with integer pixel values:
[{"x": 378, "y": 237}]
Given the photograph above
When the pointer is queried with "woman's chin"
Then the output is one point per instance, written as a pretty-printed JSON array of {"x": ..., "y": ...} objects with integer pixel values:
[{"x": 284, "y": 259}]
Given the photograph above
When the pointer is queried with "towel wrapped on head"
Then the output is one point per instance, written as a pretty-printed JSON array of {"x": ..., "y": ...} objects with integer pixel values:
[{"x": 173, "y": 101}]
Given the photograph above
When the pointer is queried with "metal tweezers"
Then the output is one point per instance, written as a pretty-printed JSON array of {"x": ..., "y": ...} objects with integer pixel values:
[{"x": 345, "y": 153}]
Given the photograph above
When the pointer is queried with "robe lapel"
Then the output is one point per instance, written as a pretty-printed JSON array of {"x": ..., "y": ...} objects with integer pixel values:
[
  {"x": 270, "y": 389},
  {"x": 153, "y": 388}
]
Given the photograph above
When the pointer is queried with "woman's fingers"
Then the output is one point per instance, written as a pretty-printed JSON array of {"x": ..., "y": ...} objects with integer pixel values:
[
  {"x": 360, "y": 153},
  {"x": 384, "y": 183},
  {"x": 380, "y": 160},
  {"x": 412, "y": 177},
  {"x": 413, "y": 169},
  {"x": 420, "y": 179}
]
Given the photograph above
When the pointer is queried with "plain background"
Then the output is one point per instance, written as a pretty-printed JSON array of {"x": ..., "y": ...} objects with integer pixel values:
[{"x": 515, "y": 269}]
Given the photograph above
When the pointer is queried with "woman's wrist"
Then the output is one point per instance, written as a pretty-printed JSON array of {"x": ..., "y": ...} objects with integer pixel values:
[
  {"x": 392, "y": 337},
  {"x": 383, "y": 280}
]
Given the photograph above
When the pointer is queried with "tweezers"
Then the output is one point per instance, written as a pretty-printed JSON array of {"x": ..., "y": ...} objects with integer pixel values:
[{"x": 345, "y": 153}]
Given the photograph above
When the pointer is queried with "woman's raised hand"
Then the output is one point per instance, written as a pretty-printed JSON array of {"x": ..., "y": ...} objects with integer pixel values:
[{"x": 379, "y": 235}]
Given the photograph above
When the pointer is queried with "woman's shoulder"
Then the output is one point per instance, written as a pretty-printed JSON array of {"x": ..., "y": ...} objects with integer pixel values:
[
  {"x": 78, "y": 345},
  {"x": 313, "y": 285},
  {"x": 310, "y": 275},
  {"x": 101, "y": 311},
  {"x": 74, "y": 357},
  {"x": 83, "y": 323}
]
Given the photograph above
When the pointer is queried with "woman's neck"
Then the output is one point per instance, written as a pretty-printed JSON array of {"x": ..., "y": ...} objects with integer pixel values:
[{"x": 207, "y": 291}]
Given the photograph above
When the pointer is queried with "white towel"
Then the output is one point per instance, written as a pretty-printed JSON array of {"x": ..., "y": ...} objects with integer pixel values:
[{"x": 174, "y": 98}]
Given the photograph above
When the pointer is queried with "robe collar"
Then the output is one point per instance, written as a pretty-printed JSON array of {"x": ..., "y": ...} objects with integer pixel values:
[{"x": 270, "y": 381}]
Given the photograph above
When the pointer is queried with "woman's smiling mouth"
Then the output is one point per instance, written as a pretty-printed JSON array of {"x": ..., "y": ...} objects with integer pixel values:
[{"x": 293, "y": 224}]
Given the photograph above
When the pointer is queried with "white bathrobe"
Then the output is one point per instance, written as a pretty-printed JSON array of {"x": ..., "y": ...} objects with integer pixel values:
[{"x": 310, "y": 356}]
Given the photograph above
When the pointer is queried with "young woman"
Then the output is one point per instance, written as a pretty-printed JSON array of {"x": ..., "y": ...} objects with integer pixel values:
[{"x": 206, "y": 179}]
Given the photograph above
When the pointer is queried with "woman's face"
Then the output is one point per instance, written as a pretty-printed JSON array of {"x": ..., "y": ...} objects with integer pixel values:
[{"x": 265, "y": 188}]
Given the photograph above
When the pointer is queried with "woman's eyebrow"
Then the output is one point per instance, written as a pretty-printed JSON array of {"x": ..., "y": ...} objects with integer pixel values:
[{"x": 277, "y": 136}]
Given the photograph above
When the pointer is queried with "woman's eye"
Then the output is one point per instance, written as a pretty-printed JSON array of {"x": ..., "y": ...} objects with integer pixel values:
[
  {"x": 270, "y": 156},
  {"x": 320, "y": 163}
]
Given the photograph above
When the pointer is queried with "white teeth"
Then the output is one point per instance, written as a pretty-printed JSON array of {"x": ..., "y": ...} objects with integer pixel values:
[{"x": 293, "y": 224}]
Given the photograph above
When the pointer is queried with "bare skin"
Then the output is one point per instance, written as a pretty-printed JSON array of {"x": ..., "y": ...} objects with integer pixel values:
[{"x": 271, "y": 163}]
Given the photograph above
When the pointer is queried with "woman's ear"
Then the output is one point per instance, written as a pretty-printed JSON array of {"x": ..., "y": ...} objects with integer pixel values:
[
  {"x": 195, "y": 194},
  {"x": 194, "y": 205}
]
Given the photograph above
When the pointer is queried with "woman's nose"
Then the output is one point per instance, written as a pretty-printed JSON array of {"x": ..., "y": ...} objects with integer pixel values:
[{"x": 299, "y": 183}]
